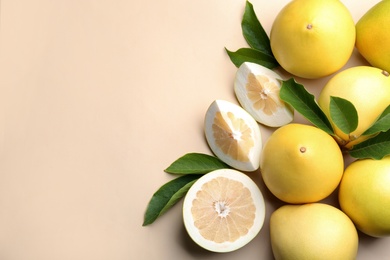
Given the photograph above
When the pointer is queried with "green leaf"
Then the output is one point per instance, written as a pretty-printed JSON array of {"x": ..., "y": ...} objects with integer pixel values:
[
  {"x": 343, "y": 114},
  {"x": 251, "y": 55},
  {"x": 167, "y": 196},
  {"x": 196, "y": 163},
  {"x": 254, "y": 32},
  {"x": 382, "y": 124},
  {"x": 302, "y": 101},
  {"x": 376, "y": 147}
]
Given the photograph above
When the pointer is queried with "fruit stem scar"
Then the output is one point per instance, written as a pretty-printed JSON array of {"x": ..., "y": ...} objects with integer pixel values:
[
  {"x": 309, "y": 26},
  {"x": 302, "y": 149},
  {"x": 385, "y": 73}
]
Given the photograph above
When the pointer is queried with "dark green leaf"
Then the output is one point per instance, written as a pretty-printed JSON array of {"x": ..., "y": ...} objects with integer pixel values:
[
  {"x": 382, "y": 124},
  {"x": 254, "y": 32},
  {"x": 196, "y": 163},
  {"x": 167, "y": 196},
  {"x": 251, "y": 55},
  {"x": 376, "y": 147},
  {"x": 343, "y": 114},
  {"x": 302, "y": 101}
]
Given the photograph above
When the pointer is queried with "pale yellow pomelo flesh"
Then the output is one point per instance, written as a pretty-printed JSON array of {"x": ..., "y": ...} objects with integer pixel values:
[
  {"x": 223, "y": 210},
  {"x": 367, "y": 88},
  {"x": 301, "y": 164},
  {"x": 233, "y": 135},
  {"x": 312, "y": 231},
  {"x": 313, "y": 39},
  {"x": 257, "y": 89},
  {"x": 373, "y": 37},
  {"x": 364, "y": 195}
]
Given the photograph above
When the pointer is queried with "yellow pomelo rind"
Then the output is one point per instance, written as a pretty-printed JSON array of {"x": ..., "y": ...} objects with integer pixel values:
[
  {"x": 257, "y": 89},
  {"x": 233, "y": 135},
  {"x": 220, "y": 192},
  {"x": 312, "y": 231},
  {"x": 301, "y": 164},
  {"x": 364, "y": 195},
  {"x": 313, "y": 39},
  {"x": 367, "y": 88},
  {"x": 373, "y": 37}
]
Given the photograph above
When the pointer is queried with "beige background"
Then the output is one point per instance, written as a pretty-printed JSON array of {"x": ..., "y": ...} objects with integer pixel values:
[{"x": 97, "y": 99}]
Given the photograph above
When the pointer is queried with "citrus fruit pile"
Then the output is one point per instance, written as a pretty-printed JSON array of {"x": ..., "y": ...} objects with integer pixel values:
[{"x": 300, "y": 164}]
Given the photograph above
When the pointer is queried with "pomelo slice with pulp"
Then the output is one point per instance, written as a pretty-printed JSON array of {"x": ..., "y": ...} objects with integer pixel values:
[
  {"x": 223, "y": 210},
  {"x": 233, "y": 135},
  {"x": 257, "y": 89}
]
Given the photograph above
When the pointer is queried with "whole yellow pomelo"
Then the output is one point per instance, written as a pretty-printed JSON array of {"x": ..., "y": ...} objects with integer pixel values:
[
  {"x": 313, "y": 38},
  {"x": 312, "y": 231},
  {"x": 367, "y": 88},
  {"x": 373, "y": 37},
  {"x": 301, "y": 164},
  {"x": 364, "y": 195}
]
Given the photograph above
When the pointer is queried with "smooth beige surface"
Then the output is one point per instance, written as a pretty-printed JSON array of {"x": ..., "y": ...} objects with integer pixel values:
[{"x": 97, "y": 99}]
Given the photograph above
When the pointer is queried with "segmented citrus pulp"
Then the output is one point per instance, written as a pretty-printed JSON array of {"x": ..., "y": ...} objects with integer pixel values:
[
  {"x": 257, "y": 89},
  {"x": 223, "y": 210},
  {"x": 233, "y": 135}
]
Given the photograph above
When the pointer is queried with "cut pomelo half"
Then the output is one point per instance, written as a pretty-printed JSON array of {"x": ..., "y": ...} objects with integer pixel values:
[
  {"x": 257, "y": 89},
  {"x": 223, "y": 210},
  {"x": 233, "y": 135}
]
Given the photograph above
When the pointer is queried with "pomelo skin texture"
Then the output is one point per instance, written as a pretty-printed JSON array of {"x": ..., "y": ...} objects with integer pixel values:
[
  {"x": 373, "y": 37},
  {"x": 364, "y": 195},
  {"x": 312, "y": 231},
  {"x": 367, "y": 88},
  {"x": 313, "y": 39},
  {"x": 301, "y": 164}
]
